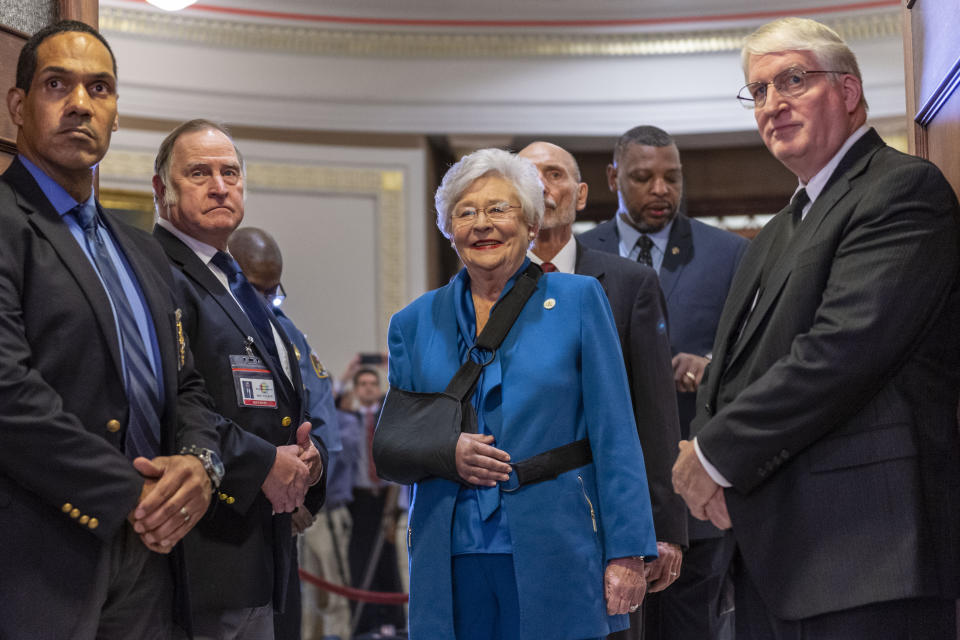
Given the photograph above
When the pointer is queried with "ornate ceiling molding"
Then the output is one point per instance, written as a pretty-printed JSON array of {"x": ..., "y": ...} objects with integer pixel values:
[{"x": 419, "y": 44}]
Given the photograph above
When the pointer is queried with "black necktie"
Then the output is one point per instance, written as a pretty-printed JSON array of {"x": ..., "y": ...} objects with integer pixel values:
[
  {"x": 143, "y": 392},
  {"x": 251, "y": 302},
  {"x": 645, "y": 244},
  {"x": 793, "y": 214}
]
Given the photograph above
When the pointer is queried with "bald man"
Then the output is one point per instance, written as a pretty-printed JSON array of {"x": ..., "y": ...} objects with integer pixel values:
[{"x": 638, "y": 307}]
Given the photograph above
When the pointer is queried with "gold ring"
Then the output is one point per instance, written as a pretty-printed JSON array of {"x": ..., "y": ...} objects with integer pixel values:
[
  {"x": 691, "y": 376},
  {"x": 633, "y": 608},
  {"x": 185, "y": 514}
]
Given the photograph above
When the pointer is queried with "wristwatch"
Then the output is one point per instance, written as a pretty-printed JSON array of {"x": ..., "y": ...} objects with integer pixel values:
[{"x": 210, "y": 461}]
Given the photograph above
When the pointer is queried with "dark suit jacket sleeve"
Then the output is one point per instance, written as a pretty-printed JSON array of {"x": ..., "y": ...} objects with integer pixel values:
[
  {"x": 883, "y": 281},
  {"x": 317, "y": 494},
  {"x": 655, "y": 406}
]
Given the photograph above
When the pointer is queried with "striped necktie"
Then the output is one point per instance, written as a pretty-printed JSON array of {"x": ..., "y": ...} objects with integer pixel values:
[{"x": 143, "y": 391}]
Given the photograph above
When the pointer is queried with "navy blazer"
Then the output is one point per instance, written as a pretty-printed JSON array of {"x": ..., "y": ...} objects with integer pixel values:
[
  {"x": 698, "y": 267},
  {"x": 239, "y": 556},
  {"x": 557, "y": 377},
  {"x": 695, "y": 276},
  {"x": 641, "y": 318},
  {"x": 66, "y": 486},
  {"x": 834, "y": 412}
]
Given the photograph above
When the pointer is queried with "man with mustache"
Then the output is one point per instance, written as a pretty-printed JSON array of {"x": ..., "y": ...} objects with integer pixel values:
[{"x": 696, "y": 263}]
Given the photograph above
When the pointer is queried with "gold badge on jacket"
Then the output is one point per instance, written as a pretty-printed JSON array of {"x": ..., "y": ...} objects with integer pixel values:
[
  {"x": 181, "y": 343},
  {"x": 317, "y": 367}
]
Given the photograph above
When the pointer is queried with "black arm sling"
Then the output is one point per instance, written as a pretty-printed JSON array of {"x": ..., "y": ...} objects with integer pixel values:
[{"x": 417, "y": 433}]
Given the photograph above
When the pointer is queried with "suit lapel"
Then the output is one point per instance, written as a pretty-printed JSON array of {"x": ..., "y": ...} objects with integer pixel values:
[
  {"x": 190, "y": 264},
  {"x": 852, "y": 165},
  {"x": 678, "y": 254},
  {"x": 200, "y": 273},
  {"x": 153, "y": 288},
  {"x": 608, "y": 235},
  {"x": 587, "y": 266},
  {"x": 51, "y": 226}
]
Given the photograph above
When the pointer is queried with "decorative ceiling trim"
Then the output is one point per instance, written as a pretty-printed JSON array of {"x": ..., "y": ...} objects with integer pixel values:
[
  {"x": 576, "y": 23},
  {"x": 386, "y": 186},
  {"x": 356, "y": 43}
]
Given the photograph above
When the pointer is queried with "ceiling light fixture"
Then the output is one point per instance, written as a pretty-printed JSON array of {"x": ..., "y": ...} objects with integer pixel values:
[{"x": 171, "y": 5}]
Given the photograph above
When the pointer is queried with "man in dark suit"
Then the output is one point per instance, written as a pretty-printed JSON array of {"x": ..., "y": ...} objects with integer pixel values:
[
  {"x": 108, "y": 445},
  {"x": 826, "y": 429},
  {"x": 696, "y": 263},
  {"x": 638, "y": 310},
  {"x": 240, "y": 556}
]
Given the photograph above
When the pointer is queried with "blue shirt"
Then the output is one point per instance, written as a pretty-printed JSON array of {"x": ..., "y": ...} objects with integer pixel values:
[
  {"x": 64, "y": 203},
  {"x": 628, "y": 242},
  {"x": 471, "y": 533},
  {"x": 342, "y": 464}
]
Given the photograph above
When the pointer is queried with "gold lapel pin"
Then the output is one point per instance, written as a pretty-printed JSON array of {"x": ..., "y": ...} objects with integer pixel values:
[
  {"x": 675, "y": 250},
  {"x": 549, "y": 303}
]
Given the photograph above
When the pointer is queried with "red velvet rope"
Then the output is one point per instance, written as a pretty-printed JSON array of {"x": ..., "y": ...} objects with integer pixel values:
[{"x": 373, "y": 597}]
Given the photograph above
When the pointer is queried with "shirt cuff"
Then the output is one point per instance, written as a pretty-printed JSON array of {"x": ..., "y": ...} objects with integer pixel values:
[{"x": 712, "y": 471}]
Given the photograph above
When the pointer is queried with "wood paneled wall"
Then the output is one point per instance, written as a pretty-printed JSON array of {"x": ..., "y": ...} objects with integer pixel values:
[{"x": 932, "y": 59}]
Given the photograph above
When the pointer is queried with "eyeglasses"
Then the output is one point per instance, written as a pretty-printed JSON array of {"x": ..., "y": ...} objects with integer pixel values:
[
  {"x": 791, "y": 83},
  {"x": 275, "y": 296},
  {"x": 496, "y": 212}
]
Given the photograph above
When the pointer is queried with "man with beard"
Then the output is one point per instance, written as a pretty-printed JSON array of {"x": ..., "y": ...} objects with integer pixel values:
[
  {"x": 696, "y": 263},
  {"x": 638, "y": 309}
]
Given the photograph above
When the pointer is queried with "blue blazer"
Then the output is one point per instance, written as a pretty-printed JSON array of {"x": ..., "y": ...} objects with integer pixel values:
[{"x": 561, "y": 378}]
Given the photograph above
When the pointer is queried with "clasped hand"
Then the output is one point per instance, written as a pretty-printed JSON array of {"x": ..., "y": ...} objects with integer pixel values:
[
  {"x": 296, "y": 468},
  {"x": 176, "y": 493}
]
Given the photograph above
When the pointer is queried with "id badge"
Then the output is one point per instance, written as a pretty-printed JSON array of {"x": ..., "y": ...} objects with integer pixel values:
[{"x": 253, "y": 382}]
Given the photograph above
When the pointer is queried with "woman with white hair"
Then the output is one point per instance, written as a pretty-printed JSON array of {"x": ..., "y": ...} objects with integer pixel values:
[{"x": 502, "y": 553}]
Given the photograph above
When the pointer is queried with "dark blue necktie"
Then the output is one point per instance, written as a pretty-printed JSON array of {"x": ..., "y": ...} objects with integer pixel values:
[
  {"x": 143, "y": 392},
  {"x": 250, "y": 301},
  {"x": 645, "y": 244}
]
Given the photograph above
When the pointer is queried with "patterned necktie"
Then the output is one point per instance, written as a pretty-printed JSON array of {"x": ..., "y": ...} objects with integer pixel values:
[
  {"x": 548, "y": 267},
  {"x": 250, "y": 301},
  {"x": 645, "y": 244},
  {"x": 143, "y": 391}
]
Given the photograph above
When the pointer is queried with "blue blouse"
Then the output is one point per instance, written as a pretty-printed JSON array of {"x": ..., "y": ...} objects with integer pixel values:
[{"x": 480, "y": 517}]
